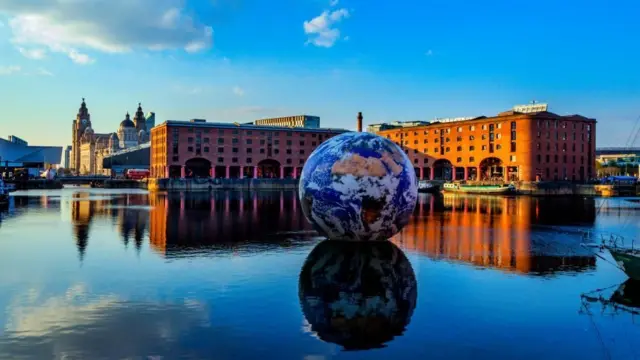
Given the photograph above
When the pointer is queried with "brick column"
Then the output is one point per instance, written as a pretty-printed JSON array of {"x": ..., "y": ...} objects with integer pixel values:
[
  {"x": 466, "y": 173},
  {"x": 281, "y": 172},
  {"x": 421, "y": 173},
  {"x": 295, "y": 172},
  {"x": 432, "y": 173},
  {"x": 183, "y": 172},
  {"x": 226, "y": 174},
  {"x": 255, "y": 172},
  {"x": 212, "y": 172},
  {"x": 241, "y": 172}
]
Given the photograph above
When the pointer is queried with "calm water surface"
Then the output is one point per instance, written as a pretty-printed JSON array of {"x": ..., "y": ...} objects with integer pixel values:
[{"x": 88, "y": 274}]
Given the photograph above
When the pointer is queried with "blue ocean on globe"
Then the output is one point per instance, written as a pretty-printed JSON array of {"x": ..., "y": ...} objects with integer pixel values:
[{"x": 358, "y": 186}]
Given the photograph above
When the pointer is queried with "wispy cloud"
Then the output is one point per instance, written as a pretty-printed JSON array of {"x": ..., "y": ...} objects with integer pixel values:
[
  {"x": 321, "y": 30},
  {"x": 79, "y": 58},
  {"x": 333, "y": 2},
  {"x": 9, "y": 70},
  {"x": 35, "y": 54},
  {"x": 238, "y": 91},
  {"x": 43, "y": 72}
]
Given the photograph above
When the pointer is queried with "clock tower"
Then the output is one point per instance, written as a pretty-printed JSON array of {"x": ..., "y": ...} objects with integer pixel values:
[{"x": 80, "y": 124}]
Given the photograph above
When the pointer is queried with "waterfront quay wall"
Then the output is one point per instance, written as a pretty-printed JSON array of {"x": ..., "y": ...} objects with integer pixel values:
[{"x": 220, "y": 184}]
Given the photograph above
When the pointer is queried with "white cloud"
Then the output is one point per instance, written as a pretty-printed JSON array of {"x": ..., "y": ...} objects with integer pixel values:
[
  {"x": 333, "y": 2},
  {"x": 74, "y": 27},
  {"x": 9, "y": 70},
  {"x": 43, "y": 72},
  {"x": 238, "y": 91},
  {"x": 79, "y": 58},
  {"x": 321, "y": 29},
  {"x": 35, "y": 54},
  {"x": 429, "y": 52}
]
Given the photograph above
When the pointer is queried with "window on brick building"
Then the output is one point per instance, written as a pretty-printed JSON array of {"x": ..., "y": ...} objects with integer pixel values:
[
  {"x": 484, "y": 136},
  {"x": 235, "y": 150},
  {"x": 556, "y": 146},
  {"x": 206, "y": 149},
  {"x": 190, "y": 149},
  {"x": 539, "y": 158},
  {"x": 220, "y": 149},
  {"x": 484, "y": 147},
  {"x": 447, "y": 149},
  {"x": 513, "y": 146},
  {"x": 555, "y": 158},
  {"x": 249, "y": 160},
  {"x": 574, "y": 159},
  {"x": 472, "y": 137},
  {"x": 301, "y": 161},
  {"x": 276, "y": 151},
  {"x": 435, "y": 149},
  {"x": 538, "y": 146},
  {"x": 249, "y": 132},
  {"x": 547, "y": 159},
  {"x": 301, "y": 152},
  {"x": 425, "y": 150},
  {"x": 220, "y": 160},
  {"x": 262, "y": 142},
  {"x": 459, "y": 128},
  {"x": 288, "y": 151},
  {"x": 564, "y": 159},
  {"x": 435, "y": 140},
  {"x": 313, "y": 143},
  {"x": 190, "y": 140},
  {"x": 472, "y": 148},
  {"x": 234, "y": 141},
  {"x": 301, "y": 134},
  {"x": 425, "y": 161},
  {"x": 415, "y": 142},
  {"x": 415, "y": 151},
  {"x": 234, "y": 160},
  {"x": 459, "y": 138},
  {"x": 288, "y": 161},
  {"x": 459, "y": 159},
  {"x": 459, "y": 148},
  {"x": 472, "y": 159},
  {"x": 301, "y": 143},
  {"x": 498, "y": 147},
  {"x": 564, "y": 147},
  {"x": 206, "y": 140},
  {"x": 484, "y": 126},
  {"x": 564, "y": 136},
  {"x": 415, "y": 161},
  {"x": 276, "y": 133},
  {"x": 512, "y": 158},
  {"x": 426, "y": 132},
  {"x": 582, "y": 147},
  {"x": 582, "y": 160},
  {"x": 249, "y": 150}
]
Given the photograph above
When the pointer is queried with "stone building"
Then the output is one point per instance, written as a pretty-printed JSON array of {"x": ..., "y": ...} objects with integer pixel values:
[{"x": 89, "y": 148}]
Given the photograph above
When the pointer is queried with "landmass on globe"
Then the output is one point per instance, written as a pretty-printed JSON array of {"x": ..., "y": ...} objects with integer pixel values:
[{"x": 358, "y": 186}]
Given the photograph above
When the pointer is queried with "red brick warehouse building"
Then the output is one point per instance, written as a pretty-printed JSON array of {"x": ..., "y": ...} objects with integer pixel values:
[
  {"x": 197, "y": 148},
  {"x": 527, "y": 143}
]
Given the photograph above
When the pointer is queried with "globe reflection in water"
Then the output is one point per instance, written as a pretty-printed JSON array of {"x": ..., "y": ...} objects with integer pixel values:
[{"x": 357, "y": 295}]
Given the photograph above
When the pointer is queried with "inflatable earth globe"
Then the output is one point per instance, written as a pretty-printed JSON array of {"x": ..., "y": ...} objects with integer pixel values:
[
  {"x": 358, "y": 186},
  {"x": 357, "y": 295}
]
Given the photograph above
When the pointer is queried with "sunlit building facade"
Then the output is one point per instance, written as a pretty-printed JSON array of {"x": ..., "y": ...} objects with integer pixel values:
[{"x": 513, "y": 146}]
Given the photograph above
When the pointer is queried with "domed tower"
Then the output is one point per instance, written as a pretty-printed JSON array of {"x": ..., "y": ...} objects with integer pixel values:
[
  {"x": 139, "y": 119},
  {"x": 127, "y": 133},
  {"x": 114, "y": 144},
  {"x": 80, "y": 124}
]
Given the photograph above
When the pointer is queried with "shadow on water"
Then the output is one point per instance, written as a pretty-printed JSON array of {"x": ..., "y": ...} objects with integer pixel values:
[
  {"x": 510, "y": 234},
  {"x": 356, "y": 295}
]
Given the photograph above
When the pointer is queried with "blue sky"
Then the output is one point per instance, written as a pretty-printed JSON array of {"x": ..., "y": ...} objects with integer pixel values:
[{"x": 239, "y": 60}]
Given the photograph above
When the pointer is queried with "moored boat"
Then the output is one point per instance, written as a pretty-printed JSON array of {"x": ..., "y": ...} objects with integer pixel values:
[
  {"x": 628, "y": 260},
  {"x": 4, "y": 194},
  {"x": 490, "y": 189},
  {"x": 428, "y": 187}
]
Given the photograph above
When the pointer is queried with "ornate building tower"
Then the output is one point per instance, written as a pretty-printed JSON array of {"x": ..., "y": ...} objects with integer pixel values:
[
  {"x": 127, "y": 133},
  {"x": 139, "y": 119},
  {"x": 80, "y": 124}
]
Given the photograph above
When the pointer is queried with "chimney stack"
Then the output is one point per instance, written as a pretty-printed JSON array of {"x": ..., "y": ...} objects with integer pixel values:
[{"x": 360, "y": 122}]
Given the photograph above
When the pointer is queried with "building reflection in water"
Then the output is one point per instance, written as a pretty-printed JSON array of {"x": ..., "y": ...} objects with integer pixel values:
[
  {"x": 183, "y": 222},
  {"x": 357, "y": 295},
  {"x": 500, "y": 232},
  {"x": 129, "y": 213}
]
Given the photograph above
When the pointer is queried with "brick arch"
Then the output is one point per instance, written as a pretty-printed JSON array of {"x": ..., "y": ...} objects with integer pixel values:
[
  {"x": 442, "y": 169},
  {"x": 492, "y": 167}
]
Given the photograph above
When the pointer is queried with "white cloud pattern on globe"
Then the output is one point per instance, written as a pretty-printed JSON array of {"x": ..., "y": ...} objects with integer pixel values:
[{"x": 358, "y": 186}]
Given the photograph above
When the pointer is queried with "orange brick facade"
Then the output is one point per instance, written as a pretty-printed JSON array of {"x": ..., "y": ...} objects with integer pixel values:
[
  {"x": 184, "y": 149},
  {"x": 509, "y": 147}
]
